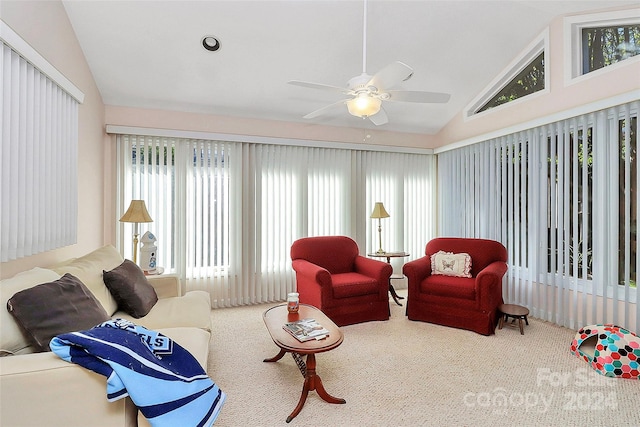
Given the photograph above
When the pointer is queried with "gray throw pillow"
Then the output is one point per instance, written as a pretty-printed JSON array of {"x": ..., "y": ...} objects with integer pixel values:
[
  {"x": 50, "y": 309},
  {"x": 131, "y": 289}
]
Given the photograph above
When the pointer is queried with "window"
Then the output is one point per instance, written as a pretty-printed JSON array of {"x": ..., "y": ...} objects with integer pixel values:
[
  {"x": 526, "y": 75},
  {"x": 225, "y": 213},
  {"x": 604, "y": 46},
  {"x": 570, "y": 201},
  {"x": 628, "y": 201},
  {"x": 207, "y": 208},
  {"x": 404, "y": 184},
  {"x": 563, "y": 198},
  {"x": 530, "y": 80},
  {"x": 595, "y": 43}
]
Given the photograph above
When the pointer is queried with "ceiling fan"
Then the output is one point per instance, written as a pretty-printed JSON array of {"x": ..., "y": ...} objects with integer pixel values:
[{"x": 366, "y": 93}]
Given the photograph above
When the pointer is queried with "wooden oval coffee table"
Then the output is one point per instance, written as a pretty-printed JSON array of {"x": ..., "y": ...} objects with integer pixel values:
[
  {"x": 274, "y": 319},
  {"x": 514, "y": 311}
]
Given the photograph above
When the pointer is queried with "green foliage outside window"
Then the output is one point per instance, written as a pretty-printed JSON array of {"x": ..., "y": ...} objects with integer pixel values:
[{"x": 604, "y": 46}]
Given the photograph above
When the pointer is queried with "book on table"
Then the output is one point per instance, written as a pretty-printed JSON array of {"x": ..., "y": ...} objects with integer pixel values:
[{"x": 306, "y": 330}]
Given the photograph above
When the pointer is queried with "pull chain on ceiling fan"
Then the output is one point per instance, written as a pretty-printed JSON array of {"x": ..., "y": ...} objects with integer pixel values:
[{"x": 366, "y": 93}]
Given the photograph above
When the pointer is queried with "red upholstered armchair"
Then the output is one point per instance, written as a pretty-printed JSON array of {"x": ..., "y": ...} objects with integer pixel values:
[
  {"x": 332, "y": 276},
  {"x": 461, "y": 302}
]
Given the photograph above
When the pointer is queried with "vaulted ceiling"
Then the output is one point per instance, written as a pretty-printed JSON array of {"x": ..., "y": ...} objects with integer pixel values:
[{"x": 149, "y": 54}]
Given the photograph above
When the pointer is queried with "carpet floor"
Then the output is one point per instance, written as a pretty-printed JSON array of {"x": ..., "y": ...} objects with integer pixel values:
[{"x": 405, "y": 373}]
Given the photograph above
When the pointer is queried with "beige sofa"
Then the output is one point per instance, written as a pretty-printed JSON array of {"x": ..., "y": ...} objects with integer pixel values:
[{"x": 40, "y": 389}]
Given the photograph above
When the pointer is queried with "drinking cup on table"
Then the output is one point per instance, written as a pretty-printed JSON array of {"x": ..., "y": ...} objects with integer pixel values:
[{"x": 293, "y": 302}]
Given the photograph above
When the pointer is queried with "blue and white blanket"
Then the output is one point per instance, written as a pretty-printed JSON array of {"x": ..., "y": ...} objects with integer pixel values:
[{"x": 164, "y": 380}]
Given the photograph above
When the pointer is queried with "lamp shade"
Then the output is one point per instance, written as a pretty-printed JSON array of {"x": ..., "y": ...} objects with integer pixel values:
[
  {"x": 137, "y": 212},
  {"x": 363, "y": 105},
  {"x": 379, "y": 211}
]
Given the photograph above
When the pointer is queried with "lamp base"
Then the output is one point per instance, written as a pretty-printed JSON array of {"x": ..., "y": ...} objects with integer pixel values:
[
  {"x": 135, "y": 248},
  {"x": 381, "y": 251}
]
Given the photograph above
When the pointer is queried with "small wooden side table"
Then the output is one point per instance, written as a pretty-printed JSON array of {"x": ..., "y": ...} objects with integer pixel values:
[
  {"x": 514, "y": 311},
  {"x": 277, "y": 316},
  {"x": 388, "y": 256}
]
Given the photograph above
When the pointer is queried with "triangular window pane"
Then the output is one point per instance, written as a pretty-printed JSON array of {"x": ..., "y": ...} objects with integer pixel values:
[{"x": 529, "y": 80}]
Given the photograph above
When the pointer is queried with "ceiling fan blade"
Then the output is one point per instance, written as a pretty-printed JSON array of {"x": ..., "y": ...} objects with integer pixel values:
[
  {"x": 380, "y": 118},
  {"x": 418, "y": 96},
  {"x": 322, "y": 110},
  {"x": 318, "y": 86},
  {"x": 390, "y": 76}
]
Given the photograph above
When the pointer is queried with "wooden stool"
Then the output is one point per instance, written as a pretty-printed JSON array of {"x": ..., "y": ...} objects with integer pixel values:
[{"x": 516, "y": 312}]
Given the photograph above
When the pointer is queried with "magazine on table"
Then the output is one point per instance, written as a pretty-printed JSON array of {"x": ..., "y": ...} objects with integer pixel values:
[{"x": 306, "y": 330}]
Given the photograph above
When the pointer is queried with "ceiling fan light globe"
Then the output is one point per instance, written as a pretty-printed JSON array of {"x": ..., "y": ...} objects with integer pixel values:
[{"x": 363, "y": 106}]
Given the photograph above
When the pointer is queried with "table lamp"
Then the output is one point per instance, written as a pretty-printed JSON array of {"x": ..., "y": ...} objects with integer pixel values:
[
  {"x": 136, "y": 214},
  {"x": 379, "y": 212}
]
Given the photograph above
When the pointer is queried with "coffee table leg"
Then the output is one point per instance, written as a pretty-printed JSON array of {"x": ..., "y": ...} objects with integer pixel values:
[
  {"x": 324, "y": 395},
  {"x": 316, "y": 382},
  {"x": 303, "y": 398},
  {"x": 276, "y": 357},
  {"x": 313, "y": 382}
]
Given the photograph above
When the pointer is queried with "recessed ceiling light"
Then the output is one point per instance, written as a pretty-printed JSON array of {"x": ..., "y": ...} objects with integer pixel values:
[{"x": 210, "y": 43}]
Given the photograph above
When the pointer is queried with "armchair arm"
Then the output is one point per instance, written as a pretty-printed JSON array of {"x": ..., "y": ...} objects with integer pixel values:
[
  {"x": 416, "y": 271},
  {"x": 489, "y": 285},
  {"x": 311, "y": 272},
  {"x": 58, "y": 393},
  {"x": 379, "y": 270},
  {"x": 310, "y": 279}
]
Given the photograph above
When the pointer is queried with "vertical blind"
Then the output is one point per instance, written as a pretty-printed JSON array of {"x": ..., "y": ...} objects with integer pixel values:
[
  {"x": 226, "y": 213},
  {"x": 563, "y": 199},
  {"x": 39, "y": 132}
]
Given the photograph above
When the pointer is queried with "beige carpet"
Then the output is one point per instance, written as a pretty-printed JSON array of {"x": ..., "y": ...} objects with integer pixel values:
[{"x": 404, "y": 373}]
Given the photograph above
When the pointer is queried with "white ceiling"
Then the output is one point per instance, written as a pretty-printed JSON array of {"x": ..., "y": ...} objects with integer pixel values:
[{"x": 148, "y": 54}]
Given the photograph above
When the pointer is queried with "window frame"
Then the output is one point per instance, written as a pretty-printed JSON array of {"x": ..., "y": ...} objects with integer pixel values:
[
  {"x": 573, "y": 52},
  {"x": 539, "y": 45}
]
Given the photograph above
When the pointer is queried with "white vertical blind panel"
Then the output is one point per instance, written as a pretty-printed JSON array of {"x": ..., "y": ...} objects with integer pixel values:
[
  {"x": 5, "y": 153},
  {"x": 208, "y": 218},
  {"x": 39, "y": 161},
  {"x": 380, "y": 188},
  {"x": 535, "y": 217},
  {"x": 328, "y": 192},
  {"x": 419, "y": 204},
  {"x": 628, "y": 145},
  {"x": 281, "y": 188}
]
